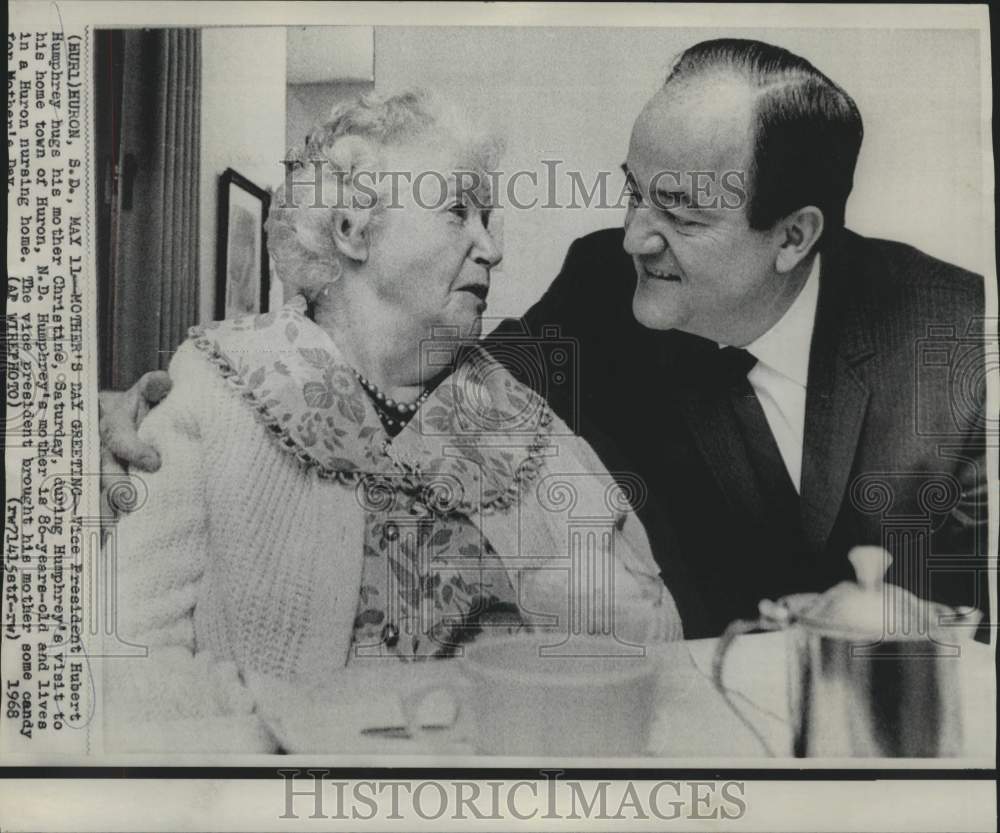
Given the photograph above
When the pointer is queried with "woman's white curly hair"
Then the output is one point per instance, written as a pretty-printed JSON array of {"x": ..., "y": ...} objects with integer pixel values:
[{"x": 299, "y": 234}]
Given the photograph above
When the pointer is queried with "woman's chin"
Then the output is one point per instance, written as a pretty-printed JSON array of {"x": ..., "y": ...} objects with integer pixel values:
[
  {"x": 476, "y": 327},
  {"x": 469, "y": 323}
]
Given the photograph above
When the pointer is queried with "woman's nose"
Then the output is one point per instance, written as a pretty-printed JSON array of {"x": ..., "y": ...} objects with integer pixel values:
[
  {"x": 486, "y": 251},
  {"x": 640, "y": 238}
]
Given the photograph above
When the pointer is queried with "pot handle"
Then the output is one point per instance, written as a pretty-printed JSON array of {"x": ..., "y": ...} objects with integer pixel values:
[{"x": 770, "y": 620}]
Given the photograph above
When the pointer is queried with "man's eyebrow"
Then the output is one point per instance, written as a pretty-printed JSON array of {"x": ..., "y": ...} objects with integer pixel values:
[
  {"x": 673, "y": 198},
  {"x": 665, "y": 197},
  {"x": 630, "y": 180}
]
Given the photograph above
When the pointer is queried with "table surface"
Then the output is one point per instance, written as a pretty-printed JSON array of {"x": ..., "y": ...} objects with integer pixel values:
[{"x": 693, "y": 724}]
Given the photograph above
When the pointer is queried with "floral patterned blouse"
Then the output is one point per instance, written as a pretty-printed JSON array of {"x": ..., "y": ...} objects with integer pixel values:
[{"x": 431, "y": 577}]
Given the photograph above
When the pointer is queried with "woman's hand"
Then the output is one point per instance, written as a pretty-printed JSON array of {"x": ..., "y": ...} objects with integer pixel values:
[{"x": 120, "y": 413}]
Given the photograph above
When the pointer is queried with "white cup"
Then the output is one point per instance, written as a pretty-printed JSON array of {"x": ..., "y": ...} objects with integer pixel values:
[{"x": 526, "y": 695}]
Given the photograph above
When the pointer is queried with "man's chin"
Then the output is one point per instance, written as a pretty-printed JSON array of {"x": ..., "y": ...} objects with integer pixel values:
[{"x": 651, "y": 311}]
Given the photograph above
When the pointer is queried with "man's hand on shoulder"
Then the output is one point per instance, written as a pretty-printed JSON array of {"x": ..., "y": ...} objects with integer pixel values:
[{"x": 120, "y": 415}]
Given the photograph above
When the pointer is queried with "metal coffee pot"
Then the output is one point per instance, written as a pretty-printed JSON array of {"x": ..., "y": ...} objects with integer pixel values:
[{"x": 873, "y": 670}]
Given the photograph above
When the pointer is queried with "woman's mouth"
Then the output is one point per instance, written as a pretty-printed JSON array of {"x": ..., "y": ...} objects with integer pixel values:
[{"x": 479, "y": 290}]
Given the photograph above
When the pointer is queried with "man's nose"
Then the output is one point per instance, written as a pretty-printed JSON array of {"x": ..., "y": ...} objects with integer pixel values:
[
  {"x": 641, "y": 239},
  {"x": 486, "y": 251}
]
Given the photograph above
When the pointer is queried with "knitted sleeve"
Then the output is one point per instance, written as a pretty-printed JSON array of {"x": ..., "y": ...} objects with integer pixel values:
[
  {"x": 578, "y": 512},
  {"x": 154, "y": 672}
]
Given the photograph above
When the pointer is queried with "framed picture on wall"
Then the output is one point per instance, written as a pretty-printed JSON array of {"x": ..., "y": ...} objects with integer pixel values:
[{"x": 242, "y": 271}]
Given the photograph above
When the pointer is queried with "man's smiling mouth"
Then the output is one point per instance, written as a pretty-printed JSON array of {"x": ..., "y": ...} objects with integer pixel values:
[{"x": 660, "y": 276}]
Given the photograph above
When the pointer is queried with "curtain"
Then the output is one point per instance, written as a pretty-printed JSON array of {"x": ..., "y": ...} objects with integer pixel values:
[{"x": 151, "y": 105}]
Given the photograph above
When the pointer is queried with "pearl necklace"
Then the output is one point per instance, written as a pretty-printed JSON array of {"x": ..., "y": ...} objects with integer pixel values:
[{"x": 394, "y": 415}]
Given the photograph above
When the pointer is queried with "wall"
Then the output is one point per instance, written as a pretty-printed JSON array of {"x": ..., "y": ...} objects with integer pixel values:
[
  {"x": 310, "y": 104},
  {"x": 326, "y": 65},
  {"x": 572, "y": 94},
  {"x": 242, "y": 127}
]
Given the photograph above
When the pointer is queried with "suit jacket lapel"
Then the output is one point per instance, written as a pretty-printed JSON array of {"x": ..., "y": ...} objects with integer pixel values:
[{"x": 837, "y": 393}]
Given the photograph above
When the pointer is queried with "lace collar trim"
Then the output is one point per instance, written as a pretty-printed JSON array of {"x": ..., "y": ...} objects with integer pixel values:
[{"x": 473, "y": 444}]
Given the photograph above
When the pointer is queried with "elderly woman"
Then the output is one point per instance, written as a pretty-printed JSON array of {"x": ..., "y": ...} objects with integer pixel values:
[{"x": 352, "y": 476}]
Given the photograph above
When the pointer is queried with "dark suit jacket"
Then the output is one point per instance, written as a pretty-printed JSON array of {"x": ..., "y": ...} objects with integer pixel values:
[{"x": 894, "y": 448}]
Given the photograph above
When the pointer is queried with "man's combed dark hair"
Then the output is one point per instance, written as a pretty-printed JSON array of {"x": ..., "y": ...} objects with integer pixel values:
[{"x": 807, "y": 130}]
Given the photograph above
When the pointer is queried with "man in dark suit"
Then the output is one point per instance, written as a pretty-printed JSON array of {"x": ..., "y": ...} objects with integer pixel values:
[
  {"x": 855, "y": 413},
  {"x": 785, "y": 388},
  {"x": 893, "y": 445}
]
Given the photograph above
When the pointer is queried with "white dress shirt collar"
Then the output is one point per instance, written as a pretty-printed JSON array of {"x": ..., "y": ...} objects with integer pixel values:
[{"x": 785, "y": 347}]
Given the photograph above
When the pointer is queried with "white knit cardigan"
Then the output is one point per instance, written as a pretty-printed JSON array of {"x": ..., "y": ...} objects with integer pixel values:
[{"x": 246, "y": 553}]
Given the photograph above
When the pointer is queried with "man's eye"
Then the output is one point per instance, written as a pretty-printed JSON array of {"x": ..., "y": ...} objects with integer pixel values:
[
  {"x": 680, "y": 221},
  {"x": 459, "y": 209}
]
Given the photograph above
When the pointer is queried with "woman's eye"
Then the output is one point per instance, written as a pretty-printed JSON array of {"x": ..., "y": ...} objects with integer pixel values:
[{"x": 459, "y": 209}]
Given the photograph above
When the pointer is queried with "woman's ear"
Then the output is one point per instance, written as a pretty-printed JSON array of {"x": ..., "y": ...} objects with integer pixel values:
[
  {"x": 351, "y": 233},
  {"x": 801, "y": 230}
]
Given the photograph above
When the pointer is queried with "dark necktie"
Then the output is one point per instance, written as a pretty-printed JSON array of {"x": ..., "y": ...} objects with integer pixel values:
[
  {"x": 735, "y": 363},
  {"x": 762, "y": 449}
]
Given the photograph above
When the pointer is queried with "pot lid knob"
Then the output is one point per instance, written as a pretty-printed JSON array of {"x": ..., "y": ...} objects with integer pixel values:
[{"x": 870, "y": 566}]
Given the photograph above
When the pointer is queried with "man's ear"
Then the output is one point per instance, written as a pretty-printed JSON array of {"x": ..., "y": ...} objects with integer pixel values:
[
  {"x": 351, "y": 233},
  {"x": 801, "y": 230}
]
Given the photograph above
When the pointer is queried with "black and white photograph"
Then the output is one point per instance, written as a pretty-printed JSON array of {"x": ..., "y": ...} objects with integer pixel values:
[{"x": 557, "y": 396}]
